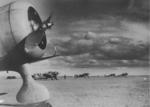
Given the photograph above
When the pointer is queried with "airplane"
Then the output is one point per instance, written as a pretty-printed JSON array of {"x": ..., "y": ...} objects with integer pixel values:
[{"x": 22, "y": 42}]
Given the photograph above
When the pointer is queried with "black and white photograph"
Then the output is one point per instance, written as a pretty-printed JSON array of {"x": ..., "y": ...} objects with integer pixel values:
[{"x": 74, "y": 53}]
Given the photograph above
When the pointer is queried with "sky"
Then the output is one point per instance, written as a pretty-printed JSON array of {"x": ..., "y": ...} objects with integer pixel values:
[
  {"x": 101, "y": 33},
  {"x": 96, "y": 34}
]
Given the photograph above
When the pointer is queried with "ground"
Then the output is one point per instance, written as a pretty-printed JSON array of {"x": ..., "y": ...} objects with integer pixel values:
[{"x": 131, "y": 91}]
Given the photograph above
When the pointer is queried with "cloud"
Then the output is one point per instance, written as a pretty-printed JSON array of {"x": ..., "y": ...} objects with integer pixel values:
[
  {"x": 136, "y": 31},
  {"x": 109, "y": 41},
  {"x": 101, "y": 33},
  {"x": 139, "y": 4}
]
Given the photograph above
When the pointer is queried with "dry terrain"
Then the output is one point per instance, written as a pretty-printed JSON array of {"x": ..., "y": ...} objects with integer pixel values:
[{"x": 132, "y": 91}]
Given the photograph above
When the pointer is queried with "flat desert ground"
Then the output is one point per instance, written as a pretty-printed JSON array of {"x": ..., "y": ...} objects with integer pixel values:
[{"x": 131, "y": 91}]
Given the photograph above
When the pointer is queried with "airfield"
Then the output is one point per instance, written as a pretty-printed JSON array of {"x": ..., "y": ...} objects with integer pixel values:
[{"x": 130, "y": 91}]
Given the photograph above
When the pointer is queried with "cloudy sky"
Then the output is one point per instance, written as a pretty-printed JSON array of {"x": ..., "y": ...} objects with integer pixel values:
[
  {"x": 101, "y": 33},
  {"x": 97, "y": 34}
]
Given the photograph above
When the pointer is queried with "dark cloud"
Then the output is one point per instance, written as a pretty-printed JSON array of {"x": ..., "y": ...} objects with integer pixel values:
[
  {"x": 108, "y": 48},
  {"x": 67, "y": 10},
  {"x": 103, "y": 47},
  {"x": 92, "y": 33}
]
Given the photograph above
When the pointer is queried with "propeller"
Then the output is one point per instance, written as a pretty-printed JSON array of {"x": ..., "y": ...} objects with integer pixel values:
[
  {"x": 36, "y": 42},
  {"x": 47, "y": 24}
]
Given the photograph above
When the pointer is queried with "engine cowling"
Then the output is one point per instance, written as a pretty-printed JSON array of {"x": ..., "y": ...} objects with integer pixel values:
[{"x": 22, "y": 25}]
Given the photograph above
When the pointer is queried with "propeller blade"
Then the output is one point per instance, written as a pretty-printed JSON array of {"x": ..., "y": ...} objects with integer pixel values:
[
  {"x": 35, "y": 44},
  {"x": 47, "y": 24},
  {"x": 34, "y": 38}
]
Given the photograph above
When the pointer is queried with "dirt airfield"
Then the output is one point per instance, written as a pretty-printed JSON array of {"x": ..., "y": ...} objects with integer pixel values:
[{"x": 131, "y": 91}]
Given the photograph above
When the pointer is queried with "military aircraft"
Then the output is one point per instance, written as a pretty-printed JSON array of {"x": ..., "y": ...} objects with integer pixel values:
[{"x": 23, "y": 41}]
